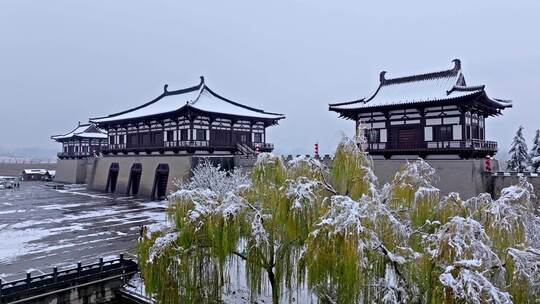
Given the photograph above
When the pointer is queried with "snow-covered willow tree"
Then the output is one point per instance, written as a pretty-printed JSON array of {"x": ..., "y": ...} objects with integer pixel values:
[
  {"x": 519, "y": 155},
  {"x": 337, "y": 234},
  {"x": 220, "y": 220},
  {"x": 535, "y": 152}
]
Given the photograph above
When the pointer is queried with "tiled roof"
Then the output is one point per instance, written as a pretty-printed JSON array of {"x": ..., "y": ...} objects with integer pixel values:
[
  {"x": 84, "y": 131},
  {"x": 437, "y": 86},
  {"x": 199, "y": 97}
]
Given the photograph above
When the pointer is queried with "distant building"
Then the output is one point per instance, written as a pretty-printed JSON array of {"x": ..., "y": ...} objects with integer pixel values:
[
  {"x": 195, "y": 119},
  {"x": 427, "y": 114},
  {"x": 37, "y": 175},
  {"x": 84, "y": 141}
]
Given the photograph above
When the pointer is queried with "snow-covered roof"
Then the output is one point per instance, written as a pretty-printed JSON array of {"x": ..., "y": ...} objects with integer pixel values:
[
  {"x": 35, "y": 171},
  {"x": 437, "y": 86},
  {"x": 89, "y": 131},
  {"x": 199, "y": 97}
]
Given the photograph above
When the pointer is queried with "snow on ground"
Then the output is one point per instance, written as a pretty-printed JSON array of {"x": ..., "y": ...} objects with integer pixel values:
[{"x": 41, "y": 228}]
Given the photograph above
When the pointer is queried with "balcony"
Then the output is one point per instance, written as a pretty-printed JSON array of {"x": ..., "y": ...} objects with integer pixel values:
[
  {"x": 182, "y": 145},
  {"x": 74, "y": 155},
  {"x": 464, "y": 148}
]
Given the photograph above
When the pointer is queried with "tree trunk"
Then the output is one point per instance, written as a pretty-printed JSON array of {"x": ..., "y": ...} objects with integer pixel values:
[{"x": 272, "y": 279}]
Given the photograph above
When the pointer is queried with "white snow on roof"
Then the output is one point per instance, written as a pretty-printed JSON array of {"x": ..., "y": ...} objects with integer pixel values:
[
  {"x": 35, "y": 171},
  {"x": 201, "y": 99},
  {"x": 414, "y": 91},
  {"x": 166, "y": 104},
  {"x": 81, "y": 131},
  {"x": 92, "y": 135},
  {"x": 209, "y": 103},
  {"x": 418, "y": 91}
]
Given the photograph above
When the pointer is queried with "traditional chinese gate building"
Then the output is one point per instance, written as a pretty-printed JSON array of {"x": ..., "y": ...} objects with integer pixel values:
[
  {"x": 84, "y": 141},
  {"x": 427, "y": 114},
  {"x": 191, "y": 120}
]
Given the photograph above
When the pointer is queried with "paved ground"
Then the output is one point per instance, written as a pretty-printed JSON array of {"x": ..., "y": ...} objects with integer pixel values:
[{"x": 41, "y": 227}]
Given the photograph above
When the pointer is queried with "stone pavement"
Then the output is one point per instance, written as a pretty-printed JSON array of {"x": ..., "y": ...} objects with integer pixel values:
[{"x": 41, "y": 228}]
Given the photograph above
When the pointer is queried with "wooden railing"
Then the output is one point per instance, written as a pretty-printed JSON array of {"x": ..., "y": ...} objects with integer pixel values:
[
  {"x": 185, "y": 144},
  {"x": 73, "y": 154},
  {"x": 263, "y": 146},
  {"x": 79, "y": 154},
  {"x": 69, "y": 277},
  {"x": 436, "y": 145}
]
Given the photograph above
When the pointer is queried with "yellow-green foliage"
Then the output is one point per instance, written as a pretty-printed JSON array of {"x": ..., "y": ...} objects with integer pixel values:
[
  {"x": 351, "y": 174},
  {"x": 192, "y": 269},
  {"x": 425, "y": 206},
  {"x": 520, "y": 279},
  {"x": 196, "y": 266},
  {"x": 451, "y": 206},
  {"x": 411, "y": 194},
  {"x": 342, "y": 252}
]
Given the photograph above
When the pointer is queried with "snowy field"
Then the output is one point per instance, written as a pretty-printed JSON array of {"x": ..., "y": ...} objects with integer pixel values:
[{"x": 41, "y": 228}]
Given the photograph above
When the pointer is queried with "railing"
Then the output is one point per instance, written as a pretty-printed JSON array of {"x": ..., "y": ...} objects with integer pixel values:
[
  {"x": 117, "y": 146},
  {"x": 263, "y": 146},
  {"x": 68, "y": 277},
  {"x": 437, "y": 145},
  {"x": 80, "y": 154},
  {"x": 73, "y": 154},
  {"x": 186, "y": 144}
]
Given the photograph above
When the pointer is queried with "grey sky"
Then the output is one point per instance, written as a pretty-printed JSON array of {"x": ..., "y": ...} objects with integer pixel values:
[{"x": 64, "y": 61}]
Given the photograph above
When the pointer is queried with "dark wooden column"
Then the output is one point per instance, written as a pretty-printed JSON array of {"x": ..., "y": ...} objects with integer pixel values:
[
  {"x": 138, "y": 143},
  {"x": 423, "y": 126},
  {"x": 231, "y": 144},
  {"x": 211, "y": 120},
  {"x": 251, "y": 132},
  {"x": 192, "y": 134},
  {"x": 387, "y": 126}
]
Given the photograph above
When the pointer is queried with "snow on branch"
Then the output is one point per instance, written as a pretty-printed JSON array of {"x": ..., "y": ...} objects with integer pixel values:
[
  {"x": 471, "y": 286},
  {"x": 304, "y": 160},
  {"x": 526, "y": 265},
  {"x": 462, "y": 239},
  {"x": 161, "y": 244},
  {"x": 519, "y": 155},
  {"x": 207, "y": 176},
  {"x": 415, "y": 174},
  {"x": 302, "y": 191}
]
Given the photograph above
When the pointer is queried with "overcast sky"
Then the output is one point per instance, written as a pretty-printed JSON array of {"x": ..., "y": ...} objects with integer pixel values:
[{"x": 65, "y": 61}]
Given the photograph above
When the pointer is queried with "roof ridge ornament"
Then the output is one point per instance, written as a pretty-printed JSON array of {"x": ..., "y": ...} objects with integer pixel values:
[
  {"x": 382, "y": 77},
  {"x": 165, "y": 91},
  {"x": 202, "y": 79},
  {"x": 457, "y": 64}
]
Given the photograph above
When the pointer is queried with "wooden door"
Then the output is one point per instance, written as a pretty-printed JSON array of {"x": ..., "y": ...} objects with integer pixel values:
[
  {"x": 405, "y": 137},
  {"x": 243, "y": 137},
  {"x": 220, "y": 138}
]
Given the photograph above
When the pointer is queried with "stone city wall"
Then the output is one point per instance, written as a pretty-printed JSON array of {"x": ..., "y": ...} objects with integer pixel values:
[
  {"x": 497, "y": 181},
  {"x": 179, "y": 167},
  {"x": 467, "y": 177},
  {"x": 71, "y": 171}
]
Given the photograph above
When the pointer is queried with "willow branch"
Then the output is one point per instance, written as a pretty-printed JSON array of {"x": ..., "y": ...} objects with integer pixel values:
[
  {"x": 240, "y": 255},
  {"x": 326, "y": 184}
]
